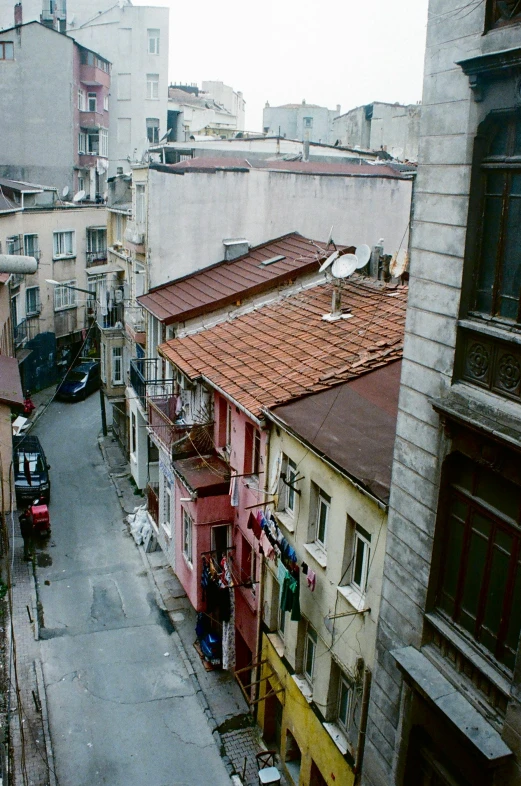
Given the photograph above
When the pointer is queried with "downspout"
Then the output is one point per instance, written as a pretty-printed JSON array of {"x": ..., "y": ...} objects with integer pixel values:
[{"x": 363, "y": 726}]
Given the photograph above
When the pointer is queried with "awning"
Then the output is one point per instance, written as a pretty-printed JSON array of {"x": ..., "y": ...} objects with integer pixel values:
[
  {"x": 10, "y": 385},
  {"x": 99, "y": 270}
]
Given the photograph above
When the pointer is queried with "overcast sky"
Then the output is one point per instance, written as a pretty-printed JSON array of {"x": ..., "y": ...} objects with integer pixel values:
[{"x": 282, "y": 51}]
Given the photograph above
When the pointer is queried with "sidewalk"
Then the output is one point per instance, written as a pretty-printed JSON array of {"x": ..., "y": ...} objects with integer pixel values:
[{"x": 226, "y": 710}]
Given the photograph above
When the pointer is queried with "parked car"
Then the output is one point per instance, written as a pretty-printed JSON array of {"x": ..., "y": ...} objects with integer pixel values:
[
  {"x": 82, "y": 380},
  {"x": 31, "y": 471}
]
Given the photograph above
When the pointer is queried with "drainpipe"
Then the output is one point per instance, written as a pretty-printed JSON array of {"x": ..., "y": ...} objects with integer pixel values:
[{"x": 363, "y": 726}]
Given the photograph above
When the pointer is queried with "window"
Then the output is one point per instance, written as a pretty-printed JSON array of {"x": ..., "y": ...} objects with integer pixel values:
[
  {"x": 104, "y": 142},
  {"x": 187, "y": 535},
  {"x": 82, "y": 143},
  {"x": 64, "y": 244},
  {"x": 81, "y": 183},
  {"x": 361, "y": 554},
  {"x": 93, "y": 143},
  {"x": 153, "y": 86},
  {"x": 288, "y": 492},
  {"x": 117, "y": 366},
  {"x": 228, "y": 425},
  {"x": 13, "y": 245},
  {"x": 64, "y": 296},
  {"x": 480, "y": 555},
  {"x": 31, "y": 246},
  {"x": 6, "y": 50},
  {"x": 96, "y": 239},
  {"x": 106, "y": 103},
  {"x": 310, "y": 652},
  {"x": 92, "y": 102},
  {"x": 252, "y": 450},
  {"x": 81, "y": 100},
  {"x": 502, "y": 12},
  {"x": 133, "y": 433},
  {"x": 496, "y": 258},
  {"x": 345, "y": 702},
  {"x": 308, "y": 122},
  {"x": 320, "y": 524},
  {"x": 153, "y": 42},
  {"x": 32, "y": 301},
  {"x": 153, "y": 130},
  {"x": 140, "y": 205}
]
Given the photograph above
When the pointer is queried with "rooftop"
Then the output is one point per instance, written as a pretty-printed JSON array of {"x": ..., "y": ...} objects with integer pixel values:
[
  {"x": 217, "y": 163},
  {"x": 357, "y": 425},
  {"x": 285, "y": 350},
  {"x": 220, "y": 285}
]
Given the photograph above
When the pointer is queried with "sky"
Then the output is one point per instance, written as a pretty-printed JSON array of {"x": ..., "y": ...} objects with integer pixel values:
[{"x": 283, "y": 51}]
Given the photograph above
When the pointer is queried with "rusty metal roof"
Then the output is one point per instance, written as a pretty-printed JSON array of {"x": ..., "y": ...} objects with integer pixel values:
[
  {"x": 224, "y": 283},
  {"x": 10, "y": 384},
  {"x": 285, "y": 350},
  {"x": 207, "y": 476},
  {"x": 353, "y": 425}
]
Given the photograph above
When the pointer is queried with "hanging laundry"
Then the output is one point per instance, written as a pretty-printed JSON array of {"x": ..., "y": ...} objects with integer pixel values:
[
  {"x": 290, "y": 600},
  {"x": 304, "y": 568},
  {"x": 311, "y": 579},
  {"x": 254, "y": 525},
  {"x": 266, "y": 547},
  {"x": 234, "y": 491}
]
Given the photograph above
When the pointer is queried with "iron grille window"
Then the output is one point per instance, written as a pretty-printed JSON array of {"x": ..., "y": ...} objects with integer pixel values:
[
  {"x": 497, "y": 283},
  {"x": 480, "y": 565}
]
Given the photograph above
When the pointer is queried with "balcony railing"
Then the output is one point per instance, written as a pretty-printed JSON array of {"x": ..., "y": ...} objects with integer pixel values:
[
  {"x": 109, "y": 318},
  {"x": 153, "y": 501},
  {"x": 20, "y": 333},
  {"x": 180, "y": 439},
  {"x": 146, "y": 379},
  {"x": 135, "y": 318},
  {"x": 96, "y": 257}
]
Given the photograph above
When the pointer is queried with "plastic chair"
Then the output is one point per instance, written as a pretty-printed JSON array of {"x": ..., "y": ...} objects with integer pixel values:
[{"x": 268, "y": 773}]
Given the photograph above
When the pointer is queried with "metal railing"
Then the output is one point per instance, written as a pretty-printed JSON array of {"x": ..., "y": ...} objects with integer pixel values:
[
  {"x": 96, "y": 256},
  {"x": 135, "y": 318},
  {"x": 109, "y": 318},
  {"x": 146, "y": 380},
  {"x": 180, "y": 439}
]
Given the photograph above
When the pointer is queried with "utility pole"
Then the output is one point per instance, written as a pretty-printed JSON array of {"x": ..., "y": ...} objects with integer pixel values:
[{"x": 103, "y": 413}]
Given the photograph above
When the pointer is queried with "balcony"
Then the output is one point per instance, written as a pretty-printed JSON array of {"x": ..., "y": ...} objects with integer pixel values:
[
  {"x": 109, "y": 318},
  {"x": 179, "y": 438},
  {"x": 92, "y": 76},
  {"x": 146, "y": 380},
  {"x": 153, "y": 501},
  {"x": 96, "y": 257},
  {"x": 93, "y": 119},
  {"x": 20, "y": 333},
  {"x": 135, "y": 323},
  {"x": 66, "y": 322},
  {"x": 15, "y": 279}
]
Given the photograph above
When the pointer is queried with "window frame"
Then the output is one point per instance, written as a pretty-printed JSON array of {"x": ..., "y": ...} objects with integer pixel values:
[
  {"x": 55, "y": 243},
  {"x": 116, "y": 357},
  {"x": 152, "y": 125},
  {"x": 311, "y": 641},
  {"x": 289, "y": 494},
  {"x": 188, "y": 524},
  {"x": 37, "y": 307},
  {"x": 65, "y": 295},
  {"x": 344, "y": 682},
  {"x": 152, "y": 87},
  {"x": 3, "y": 48},
  {"x": 92, "y": 101},
  {"x": 140, "y": 204},
  {"x": 35, "y": 249},
  {"x": 323, "y": 502},
  {"x": 362, "y": 539},
  {"x": 153, "y": 37}
]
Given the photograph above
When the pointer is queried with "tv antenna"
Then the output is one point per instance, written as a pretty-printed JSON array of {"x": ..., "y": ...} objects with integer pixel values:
[{"x": 78, "y": 196}]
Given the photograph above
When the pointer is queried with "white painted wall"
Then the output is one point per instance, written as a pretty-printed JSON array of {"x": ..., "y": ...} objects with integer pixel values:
[
  {"x": 231, "y": 99},
  {"x": 190, "y": 215}
]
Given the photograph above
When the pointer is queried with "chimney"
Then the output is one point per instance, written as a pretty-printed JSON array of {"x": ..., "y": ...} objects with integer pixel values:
[
  {"x": 305, "y": 149},
  {"x": 235, "y": 248},
  {"x": 338, "y": 109},
  {"x": 18, "y": 14}
]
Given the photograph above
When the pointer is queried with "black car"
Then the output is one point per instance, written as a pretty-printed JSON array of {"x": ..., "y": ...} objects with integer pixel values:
[
  {"x": 31, "y": 471},
  {"x": 80, "y": 381}
]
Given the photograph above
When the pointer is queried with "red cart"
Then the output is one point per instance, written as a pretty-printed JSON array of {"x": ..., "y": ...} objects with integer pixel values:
[{"x": 38, "y": 515}]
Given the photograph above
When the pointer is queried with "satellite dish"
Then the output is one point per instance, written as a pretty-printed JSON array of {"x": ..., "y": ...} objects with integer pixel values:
[
  {"x": 344, "y": 266},
  {"x": 363, "y": 254},
  {"x": 399, "y": 263},
  {"x": 65, "y": 192},
  {"x": 78, "y": 196},
  {"x": 329, "y": 261}
]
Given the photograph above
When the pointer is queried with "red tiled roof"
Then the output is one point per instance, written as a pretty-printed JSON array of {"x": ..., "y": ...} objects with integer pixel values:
[
  {"x": 10, "y": 384},
  {"x": 222, "y": 284},
  {"x": 282, "y": 351}
]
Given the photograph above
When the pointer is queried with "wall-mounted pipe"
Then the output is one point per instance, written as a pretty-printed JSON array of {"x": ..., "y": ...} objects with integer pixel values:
[{"x": 15, "y": 263}]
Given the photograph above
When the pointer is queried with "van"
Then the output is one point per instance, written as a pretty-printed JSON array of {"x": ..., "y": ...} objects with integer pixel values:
[{"x": 31, "y": 471}]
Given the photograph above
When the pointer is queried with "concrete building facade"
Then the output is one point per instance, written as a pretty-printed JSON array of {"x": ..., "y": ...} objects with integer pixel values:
[
  {"x": 447, "y": 705},
  {"x": 300, "y": 121},
  {"x": 393, "y": 128},
  {"x": 54, "y": 118},
  {"x": 215, "y": 110}
]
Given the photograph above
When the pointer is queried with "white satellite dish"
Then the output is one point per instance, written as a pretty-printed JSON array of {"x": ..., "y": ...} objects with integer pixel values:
[
  {"x": 344, "y": 266},
  {"x": 363, "y": 254},
  {"x": 78, "y": 196},
  {"x": 329, "y": 261},
  {"x": 65, "y": 192},
  {"x": 399, "y": 263}
]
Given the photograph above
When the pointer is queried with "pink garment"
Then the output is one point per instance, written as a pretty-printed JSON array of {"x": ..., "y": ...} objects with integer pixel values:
[
  {"x": 266, "y": 546},
  {"x": 311, "y": 579}
]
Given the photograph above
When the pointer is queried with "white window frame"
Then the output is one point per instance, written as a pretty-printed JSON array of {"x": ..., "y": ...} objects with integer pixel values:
[
  {"x": 188, "y": 525},
  {"x": 153, "y": 87},
  {"x": 289, "y": 495},
  {"x": 362, "y": 545},
  {"x": 140, "y": 204},
  {"x": 82, "y": 143},
  {"x": 36, "y": 308},
  {"x": 117, "y": 365},
  {"x": 152, "y": 124},
  {"x": 12, "y": 245},
  {"x": 64, "y": 296},
  {"x": 81, "y": 100},
  {"x": 92, "y": 102},
  {"x": 103, "y": 364},
  {"x": 59, "y": 244},
  {"x": 323, "y": 504},
  {"x": 28, "y": 251},
  {"x": 106, "y": 103},
  {"x": 344, "y": 719},
  {"x": 81, "y": 183},
  {"x": 310, "y": 649},
  {"x": 96, "y": 239},
  {"x": 153, "y": 35},
  {"x": 168, "y": 500},
  {"x": 104, "y": 143}
]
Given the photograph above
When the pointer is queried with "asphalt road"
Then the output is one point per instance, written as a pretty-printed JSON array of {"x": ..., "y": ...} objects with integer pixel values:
[{"x": 122, "y": 708}]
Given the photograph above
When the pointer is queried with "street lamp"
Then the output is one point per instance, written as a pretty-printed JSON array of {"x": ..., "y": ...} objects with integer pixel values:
[{"x": 102, "y": 400}]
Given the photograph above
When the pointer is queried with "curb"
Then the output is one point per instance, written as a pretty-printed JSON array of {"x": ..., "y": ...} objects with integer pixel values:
[
  {"x": 42, "y": 695},
  {"x": 212, "y": 723}
]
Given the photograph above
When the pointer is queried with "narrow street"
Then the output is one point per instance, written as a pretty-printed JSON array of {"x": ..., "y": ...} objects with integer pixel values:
[{"x": 122, "y": 709}]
